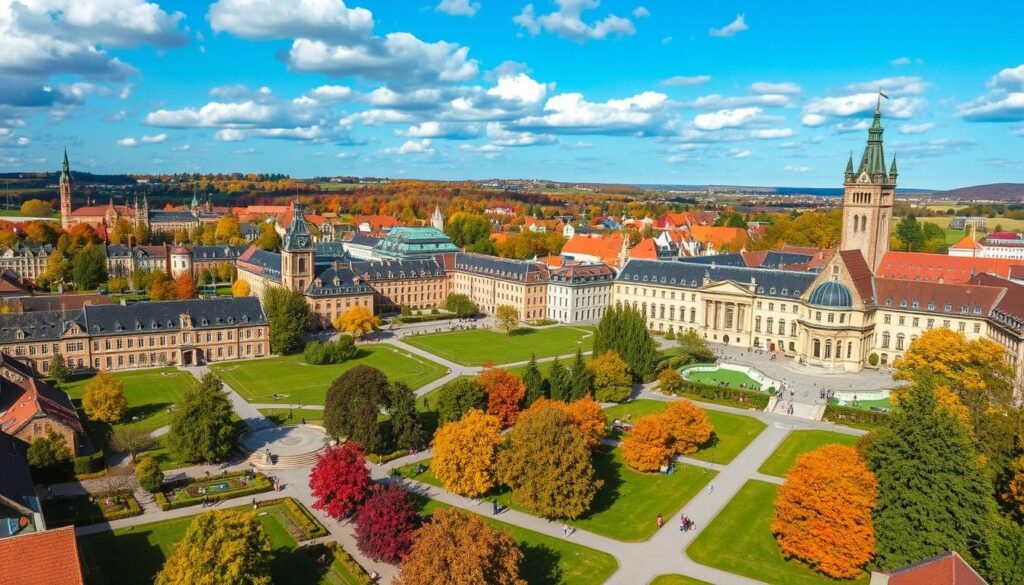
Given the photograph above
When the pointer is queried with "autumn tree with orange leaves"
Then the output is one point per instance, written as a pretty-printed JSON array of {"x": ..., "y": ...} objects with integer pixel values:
[
  {"x": 184, "y": 286},
  {"x": 823, "y": 511},
  {"x": 648, "y": 445},
  {"x": 465, "y": 452},
  {"x": 689, "y": 426},
  {"x": 505, "y": 394},
  {"x": 586, "y": 415},
  {"x": 455, "y": 548}
]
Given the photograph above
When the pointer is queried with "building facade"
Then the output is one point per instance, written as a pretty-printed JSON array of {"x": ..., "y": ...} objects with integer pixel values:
[
  {"x": 491, "y": 282},
  {"x": 118, "y": 337},
  {"x": 28, "y": 262},
  {"x": 579, "y": 292}
]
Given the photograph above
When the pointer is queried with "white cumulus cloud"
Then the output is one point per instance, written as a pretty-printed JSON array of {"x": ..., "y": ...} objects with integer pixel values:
[
  {"x": 916, "y": 128},
  {"x": 738, "y": 25},
  {"x": 458, "y": 7},
  {"x": 727, "y": 118},
  {"x": 127, "y": 142},
  {"x": 686, "y": 81},
  {"x": 567, "y": 22},
  {"x": 154, "y": 139}
]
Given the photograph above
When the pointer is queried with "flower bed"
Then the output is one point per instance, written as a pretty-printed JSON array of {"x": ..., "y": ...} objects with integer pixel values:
[
  {"x": 342, "y": 565},
  {"x": 725, "y": 395},
  {"x": 295, "y": 518},
  {"x": 90, "y": 508},
  {"x": 190, "y": 492}
]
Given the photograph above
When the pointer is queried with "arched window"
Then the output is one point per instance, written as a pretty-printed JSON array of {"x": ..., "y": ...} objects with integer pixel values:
[
  {"x": 899, "y": 341},
  {"x": 817, "y": 348},
  {"x": 885, "y": 339}
]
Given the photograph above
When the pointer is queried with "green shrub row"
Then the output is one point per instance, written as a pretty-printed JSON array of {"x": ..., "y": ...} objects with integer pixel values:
[
  {"x": 354, "y": 570},
  {"x": 856, "y": 417},
  {"x": 88, "y": 464},
  {"x": 260, "y": 484},
  {"x": 407, "y": 319},
  {"x": 133, "y": 509},
  {"x": 754, "y": 398},
  {"x": 310, "y": 526}
]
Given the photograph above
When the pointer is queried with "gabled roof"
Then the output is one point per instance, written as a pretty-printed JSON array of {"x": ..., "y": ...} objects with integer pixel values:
[
  {"x": 967, "y": 243},
  {"x": 1010, "y": 309},
  {"x": 860, "y": 272},
  {"x": 948, "y": 568},
  {"x": 775, "y": 283},
  {"x": 606, "y": 248},
  {"x": 24, "y": 398},
  {"x": 41, "y": 558},
  {"x": 934, "y": 297},
  {"x": 646, "y": 249},
  {"x": 262, "y": 262},
  {"x": 719, "y": 235},
  {"x": 522, "y": 271}
]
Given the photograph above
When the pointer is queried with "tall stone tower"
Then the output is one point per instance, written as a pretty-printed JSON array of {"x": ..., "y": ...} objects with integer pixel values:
[
  {"x": 437, "y": 219},
  {"x": 868, "y": 197},
  {"x": 66, "y": 185},
  {"x": 297, "y": 253}
]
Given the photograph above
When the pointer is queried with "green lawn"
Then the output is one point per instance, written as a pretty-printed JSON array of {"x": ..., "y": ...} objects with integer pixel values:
[
  {"x": 677, "y": 580},
  {"x": 548, "y": 560},
  {"x": 474, "y": 347},
  {"x": 732, "y": 434},
  {"x": 732, "y": 378},
  {"x": 133, "y": 556},
  {"x": 296, "y": 382},
  {"x": 798, "y": 443},
  {"x": 150, "y": 394},
  {"x": 628, "y": 503},
  {"x": 739, "y": 540}
]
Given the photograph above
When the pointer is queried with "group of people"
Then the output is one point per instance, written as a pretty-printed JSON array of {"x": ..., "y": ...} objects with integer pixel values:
[{"x": 685, "y": 524}]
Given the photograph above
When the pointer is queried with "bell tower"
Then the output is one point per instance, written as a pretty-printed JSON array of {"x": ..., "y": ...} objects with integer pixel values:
[
  {"x": 297, "y": 253},
  {"x": 868, "y": 194},
  {"x": 66, "y": 185}
]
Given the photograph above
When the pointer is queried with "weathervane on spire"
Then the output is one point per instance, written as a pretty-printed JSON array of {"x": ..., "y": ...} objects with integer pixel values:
[{"x": 878, "y": 106}]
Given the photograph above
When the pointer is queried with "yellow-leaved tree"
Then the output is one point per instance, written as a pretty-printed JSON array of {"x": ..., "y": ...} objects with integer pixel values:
[
  {"x": 465, "y": 453},
  {"x": 241, "y": 288},
  {"x": 357, "y": 321},
  {"x": 220, "y": 547},
  {"x": 648, "y": 445},
  {"x": 104, "y": 400},
  {"x": 689, "y": 426}
]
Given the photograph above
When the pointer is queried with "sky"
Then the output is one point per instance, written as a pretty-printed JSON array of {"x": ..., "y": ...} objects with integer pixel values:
[{"x": 647, "y": 91}]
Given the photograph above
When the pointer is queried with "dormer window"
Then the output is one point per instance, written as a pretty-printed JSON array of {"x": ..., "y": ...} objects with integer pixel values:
[
  {"x": 917, "y": 305},
  {"x": 931, "y": 306},
  {"x": 947, "y": 308},
  {"x": 903, "y": 304},
  {"x": 19, "y": 334}
]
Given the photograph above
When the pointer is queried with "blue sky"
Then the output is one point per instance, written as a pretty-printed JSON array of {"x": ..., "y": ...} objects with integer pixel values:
[{"x": 578, "y": 90}]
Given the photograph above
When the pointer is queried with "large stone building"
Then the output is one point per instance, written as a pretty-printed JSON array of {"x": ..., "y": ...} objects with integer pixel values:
[
  {"x": 579, "y": 292},
  {"x": 491, "y": 282},
  {"x": 31, "y": 409},
  {"x": 118, "y": 337},
  {"x": 28, "y": 262},
  {"x": 861, "y": 306}
]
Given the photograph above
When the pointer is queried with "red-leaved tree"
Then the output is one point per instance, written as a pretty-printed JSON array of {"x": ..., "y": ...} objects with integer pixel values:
[
  {"x": 385, "y": 524},
  {"x": 340, "y": 481},
  {"x": 505, "y": 394}
]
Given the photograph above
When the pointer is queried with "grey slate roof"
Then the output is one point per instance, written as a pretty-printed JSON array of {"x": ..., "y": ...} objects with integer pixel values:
[
  {"x": 266, "y": 263},
  {"x": 329, "y": 251},
  {"x": 171, "y": 216},
  {"x": 777, "y": 283},
  {"x": 337, "y": 280},
  {"x": 716, "y": 259},
  {"x": 518, "y": 270},
  {"x": 162, "y": 316},
  {"x": 397, "y": 269},
  {"x": 15, "y": 479},
  {"x": 36, "y": 326},
  {"x": 362, "y": 239},
  {"x": 222, "y": 252}
]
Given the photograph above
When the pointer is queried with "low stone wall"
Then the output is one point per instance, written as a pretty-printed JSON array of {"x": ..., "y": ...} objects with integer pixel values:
[{"x": 754, "y": 373}]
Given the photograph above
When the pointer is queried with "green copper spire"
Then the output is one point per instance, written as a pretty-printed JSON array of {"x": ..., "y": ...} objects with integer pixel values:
[
  {"x": 65, "y": 173},
  {"x": 873, "y": 161},
  {"x": 849, "y": 165},
  {"x": 892, "y": 169},
  {"x": 195, "y": 198}
]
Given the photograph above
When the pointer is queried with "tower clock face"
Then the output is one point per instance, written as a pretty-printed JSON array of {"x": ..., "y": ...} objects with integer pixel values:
[{"x": 303, "y": 242}]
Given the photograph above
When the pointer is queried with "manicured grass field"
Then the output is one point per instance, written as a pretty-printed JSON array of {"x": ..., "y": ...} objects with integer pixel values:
[
  {"x": 548, "y": 560},
  {"x": 731, "y": 378},
  {"x": 476, "y": 346},
  {"x": 150, "y": 394},
  {"x": 732, "y": 432},
  {"x": 677, "y": 580},
  {"x": 739, "y": 540},
  {"x": 296, "y": 382},
  {"x": 133, "y": 556},
  {"x": 798, "y": 443},
  {"x": 284, "y": 416},
  {"x": 626, "y": 506}
]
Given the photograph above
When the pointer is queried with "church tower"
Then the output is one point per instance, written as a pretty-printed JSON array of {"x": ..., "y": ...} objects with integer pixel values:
[
  {"x": 66, "y": 185},
  {"x": 868, "y": 195},
  {"x": 297, "y": 253},
  {"x": 437, "y": 219}
]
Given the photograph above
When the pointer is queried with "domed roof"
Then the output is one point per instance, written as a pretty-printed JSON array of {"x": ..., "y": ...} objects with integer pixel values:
[{"x": 831, "y": 294}]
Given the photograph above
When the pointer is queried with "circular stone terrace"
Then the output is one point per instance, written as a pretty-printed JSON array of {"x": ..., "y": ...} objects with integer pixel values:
[{"x": 288, "y": 446}]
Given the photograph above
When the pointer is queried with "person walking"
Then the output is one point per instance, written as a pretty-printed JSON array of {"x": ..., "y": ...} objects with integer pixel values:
[
  {"x": 565, "y": 530},
  {"x": 660, "y": 521}
]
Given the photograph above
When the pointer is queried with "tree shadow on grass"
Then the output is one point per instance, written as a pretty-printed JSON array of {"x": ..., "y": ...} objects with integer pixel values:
[
  {"x": 144, "y": 411},
  {"x": 125, "y": 559},
  {"x": 608, "y": 470},
  {"x": 711, "y": 443},
  {"x": 540, "y": 565},
  {"x": 294, "y": 567},
  {"x": 519, "y": 331}
]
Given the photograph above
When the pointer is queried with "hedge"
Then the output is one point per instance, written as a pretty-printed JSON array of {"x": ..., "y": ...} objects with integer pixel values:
[
  {"x": 856, "y": 417},
  {"x": 89, "y": 464},
  {"x": 133, "y": 510},
  {"x": 753, "y": 398},
  {"x": 354, "y": 569},
  {"x": 310, "y": 526},
  {"x": 407, "y": 319},
  {"x": 260, "y": 484}
]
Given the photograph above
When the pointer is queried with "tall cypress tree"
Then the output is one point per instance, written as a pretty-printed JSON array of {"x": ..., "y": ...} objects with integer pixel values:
[
  {"x": 581, "y": 383},
  {"x": 406, "y": 430},
  {"x": 933, "y": 492},
  {"x": 558, "y": 381},
  {"x": 624, "y": 329},
  {"x": 534, "y": 381}
]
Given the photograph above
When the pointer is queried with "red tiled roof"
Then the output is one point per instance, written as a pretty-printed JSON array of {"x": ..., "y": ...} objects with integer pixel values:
[
  {"x": 719, "y": 235},
  {"x": 939, "y": 267},
  {"x": 944, "y": 569},
  {"x": 377, "y": 222},
  {"x": 860, "y": 272},
  {"x": 41, "y": 558},
  {"x": 606, "y": 248},
  {"x": 1012, "y": 303},
  {"x": 967, "y": 243},
  {"x": 645, "y": 250},
  {"x": 23, "y": 401},
  {"x": 552, "y": 261},
  {"x": 926, "y": 293},
  {"x": 754, "y": 259}
]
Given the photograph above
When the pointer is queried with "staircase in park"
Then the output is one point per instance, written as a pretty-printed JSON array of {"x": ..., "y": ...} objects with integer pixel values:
[
  {"x": 284, "y": 461},
  {"x": 800, "y": 410}
]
